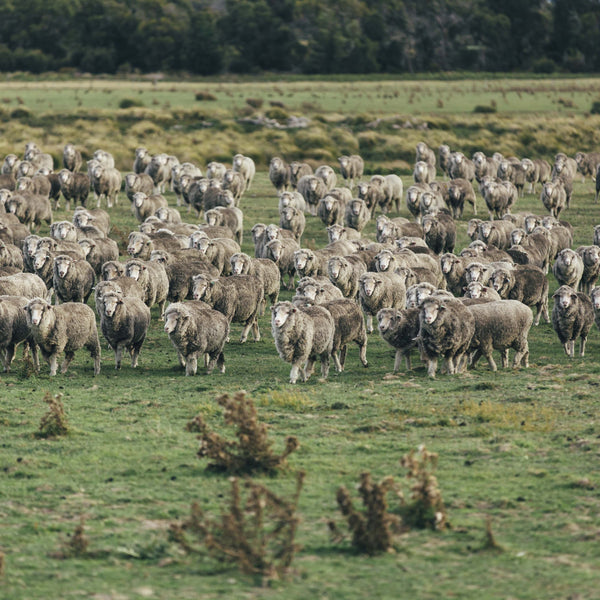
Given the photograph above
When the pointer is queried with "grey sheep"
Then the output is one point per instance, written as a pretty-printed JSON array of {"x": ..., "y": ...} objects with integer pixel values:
[
  {"x": 446, "y": 328},
  {"x": 554, "y": 196},
  {"x": 331, "y": 210},
  {"x": 64, "y": 328},
  {"x": 259, "y": 239},
  {"x": 168, "y": 215},
  {"x": 501, "y": 325},
  {"x": 292, "y": 198},
  {"x": 159, "y": 168},
  {"x": 399, "y": 328},
  {"x": 28, "y": 248},
  {"x": 440, "y": 232},
  {"x": 10, "y": 165},
  {"x": 568, "y": 268},
  {"x": 145, "y": 206},
  {"x": 122, "y": 285},
  {"x": 380, "y": 290},
  {"x": 461, "y": 167},
  {"x": 215, "y": 195},
  {"x": 303, "y": 335},
  {"x": 177, "y": 172},
  {"x": 336, "y": 233},
  {"x": 535, "y": 245},
  {"x": 106, "y": 183},
  {"x": 297, "y": 171},
  {"x": 388, "y": 191},
  {"x": 281, "y": 252},
  {"x": 349, "y": 327},
  {"x": 499, "y": 197},
  {"x": 280, "y": 174},
  {"x": 444, "y": 153},
  {"x": 417, "y": 292},
  {"x": 72, "y": 280},
  {"x": 525, "y": 283},
  {"x": 32, "y": 210},
  {"x": 124, "y": 323},
  {"x": 587, "y": 164},
  {"x": 351, "y": 168},
  {"x": 43, "y": 267},
  {"x": 138, "y": 182},
  {"x": 327, "y": 174},
  {"x": 514, "y": 172},
  {"x": 389, "y": 230},
  {"x": 357, "y": 214},
  {"x": 235, "y": 183},
  {"x": 413, "y": 199},
  {"x": 345, "y": 272},
  {"x": 231, "y": 217},
  {"x": 293, "y": 219},
  {"x": 496, "y": 233},
  {"x": 245, "y": 166},
  {"x": 484, "y": 166},
  {"x": 423, "y": 172},
  {"x": 141, "y": 161},
  {"x": 459, "y": 192},
  {"x": 317, "y": 290},
  {"x": 152, "y": 277},
  {"x": 141, "y": 245},
  {"x": 98, "y": 251},
  {"x": 218, "y": 252},
  {"x": 591, "y": 267},
  {"x": 238, "y": 297},
  {"x": 14, "y": 330},
  {"x": 266, "y": 271},
  {"x": 310, "y": 263},
  {"x": 71, "y": 158},
  {"x": 572, "y": 318},
  {"x": 425, "y": 153},
  {"x": 38, "y": 158},
  {"x": 82, "y": 217},
  {"x": 112, "y": 269},
  {"x": 23, "y": 284},
  {"x": 37, "y": 184},
  {"x": 595, "y": 297},
  {"x": 312, "y": 188},
  {"x": 196, "y": 329},
  {"x": 104, "y": 158},
  {"x": 11, "y": 255}
]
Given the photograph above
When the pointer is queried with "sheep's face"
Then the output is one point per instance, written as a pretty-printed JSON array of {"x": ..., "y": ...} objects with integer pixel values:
[
  {"x": 430, "y": 311},
  {"x": 12, "y": 205},
  {"x": 530, "y": 224},
  {"x": 334, "y": 268},
  {"x": 369, "y": 284},
  {"x": 139, "y": 198},
  {"x": 134, "y": 271},
  {"x": 591, "y": 255},
  {"x": 566, "y": 257},
  {"x": 474, "y": 290},
  {"x": 62, "y": 265},
  {"x": 174, "y": 320},
  {"x": 363, "y": 188},
  {"x": 313, "y": 184},
  {"x": 202, "y": 244},
  {"x": 356, "y": 208},
  {"x": 136, "y": 244},
  {"x": 564, "y": 297},
  {"x": 39, "y": 259},
  {"x": 200, "y": 287},
  {"x": 26, "y": 169},
  {"x": 274, "y": 250},
  {"x": 421, "y": 169},
  {"x": 130, "y": 180},
  {"x": 300, "y": 259},
  {"x": 81, "y": 218},
  {"x": 412, "y": 196},
  {"x": 344, "y": 162},
  {"x": 97, "y": 172},
  {"x": 548, "y": 189},
  {"x": 309, "y": 290},
  {"x": 517, "y": 236},
  {"x": 141, "y": 152},
  {"x": 35, "y": 311},
  {"x": 385, "y": 319},
  {"x": 485, "y": 229},
  {"x": 276, "y": 164},
  {"x": 334, "y": 233},
  {"x": 288, "y": 214},
  {"x": 596, "y": 298},
  {"x": 272, "y": 233},
  {"x": 478, "y": 246},
  {"x": 211, "y": 218},
  {"x": 447, "y": 263},
  {"x": 500, "y": 281},
  {"x": 111, "y": 302},
  {"x": 238, "y": 161},
  {"x": 24, "y": 183},
  {"x": 30, "y": 245},
  {"x": 427, "y": 225},
  {"x": 422, "y": 294},
  {"x": 383, "y": 260},
  {"x": 479, "y": 159},
  {"x": 86, "y": 246},
  {"x": 65, "y": 177},
  {"x": 237, "y": 264},
  {"x": 411, "y": 298},
  {"x": 328, "y": 203},
  {"x": 10, "y": 160},
  {"x": 474, "y": 272},
  {"x": 281, "y": 312}
]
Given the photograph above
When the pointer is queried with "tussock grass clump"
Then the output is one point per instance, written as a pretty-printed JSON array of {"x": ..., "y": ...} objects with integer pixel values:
[
  {"x": 75, "y": 545},
  {"x": 130, "y": 103},
  {"x": 485, "y": 109},
  {"x": 54, "y": 423},
  {"x": 257, "y": 533},
  {"x": 252, "y": 451},
  {"x": 489, "y": 541},
  {"x": 205, "y": 97},
  {"x": 255, "y": 102},
  {"x": 595, "y": 110},
  {"x": 532, "y": 416}
]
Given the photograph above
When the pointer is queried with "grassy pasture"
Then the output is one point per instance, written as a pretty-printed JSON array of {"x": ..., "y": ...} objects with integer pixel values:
[{"x": 521, "y": 448}]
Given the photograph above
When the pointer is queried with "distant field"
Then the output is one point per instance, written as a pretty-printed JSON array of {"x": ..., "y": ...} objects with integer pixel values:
[{"x": 518, "y": 447}]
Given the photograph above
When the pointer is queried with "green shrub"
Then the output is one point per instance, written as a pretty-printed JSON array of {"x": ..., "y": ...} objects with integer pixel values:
[
  {"x": 130, "y": 103},
  {"x": 277, "y": 113},
  {"x": 595, "y": 110},
  {"x": 205, "y": 97},
  {"x": 485, "y": 109}
]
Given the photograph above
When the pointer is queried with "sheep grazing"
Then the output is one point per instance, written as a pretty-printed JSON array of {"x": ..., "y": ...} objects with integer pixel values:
[
  {"x": 357, "y": 215},
  {"x": 399, "y": 328},
  {"x": 572, "y": 318},
  {"x": 301, "y": 336},
  {"x": 525, "y": 283},
  {"x": 238, "y": 297},
  {"x": 312, "y": 188},
  {"x": 14, "y": 330},
  {"x": 440, "y": 232},
  {"x": 124, "y": 322},
  {"x": 459, "y": 192},
  {"x": 64, "y": 328},
  {"x": 142, "y": 160},
  {"x": 380, "y": 290},
  {"x": 500, "y": 325},
  {"x": 72, "y": 280},
  {"x": 245, "y": 166},
  {"x": 265, "y": 270},
  {"x": 31, "y": 209},
  {"x": 138, "y": 182},
  {"x": 349, "y": 327},
  {"x": 196, "y": 329},
  {"x": 23, "y": 284},
  {"x": 568, "y": 268},
  {"x": 351, "y": 168},
  {"x": 106, "y": 183},
  {"x": 423, "y": 172},
  {"x": 280, "y": 174},
  {"x": 153, "y": 279},
  {"x": 554, "y": 196},
  {"x": 293, "y": 220}
]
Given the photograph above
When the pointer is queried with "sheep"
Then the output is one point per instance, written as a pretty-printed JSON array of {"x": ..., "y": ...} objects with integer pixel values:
[
  {"x": 177, "y": 172},
  {"x": 125, "y": 286},
  {"x": 293, "y": 220},
  {"x": 82, "y": 217},
  {"x": 476, "y": 289},
  {"x": 496, "y": 233},
  {"x": 443, "y": 157},
  {"x": 297, "y": 171},
  {"x": 124, "y": 322},
  {"x": 388, "y": 191},
  {"x": 525, "y": 283},
  {"x": 591, "y": 267},
  {"x": 159, "y": 168},
  {"x": 587, "y": 164},
  {"x": 345, "y": 272},
  {"x": 459, "y": 192},
  {"x": 152, "y": 277},
  {"x": 234, "y": 182},
  {"x": 10, "y": 166},
  {"x": 554, "y": 196},
  {"x": 32, "y": 210},
  {"x": 309, "y": 263},
  {"x": 312, "y": 188},
  {"x": 349, "y": 327},
  {"x": 145, "y": 206},
  {"x": 327, "y": 174},
  {"x": 280, "y": 174},
  {"x": 23, "y": 284},
  {"x": 281, "y": 252},
  {"x": 231, "y": 217},
  {"x": 141, "y": 161},
  {"x": 64, "y": 328},
  {"x": 338, "y": 232},
  {"x": 37, "y": 184},
  {"x": 29, "y": 247},
  {"x": 513, "y": 172},
  {"x": 536, "y": 246},
  {"x": 413, "y": 199},
  {"x": 106, "y": 183},
  {"x": 423, "y": 172},
  {"x": 245, "y": 166},
  {"x": 72, "y": 280},
  {"x": 380, "y": 290},
  {"x": 218, "y": 252},
  {"x": 14, "y": 330},
  {"x": 138, "y": 182},
  {"x": 484, "y": 166},
  {"x": 568, "y": 268},
  {"x": 399, "y": 328},
  {"x": 38, "y": 158},
  {"x": 301, "y": 336},
  {"x": 194, "y": 328},
  {"x": 351, "y": 168},
  {"x": 43, "y": 267},
  {"x": 391, "y": 230},
  {"x": 98, "y": 251},
  {"x": 238, "y": 297},
  {"x": 266, "y": 271},
  {"x": 11, "y": 255},
  {"x": 71, "y": 158},
  {"x": 595, "y": 297},
  {"x": 572, "y": 318},
  {"x": 425, "y": 153},
  {"x": 292, "y": 198},
  {"x": 461, "y": 167},
  {"x": 357, "y": 215},
  {"x": 499, "y": 197},
  {"x": 331, "y": 210},
  {"x": 440, "y": 232},
  {"x": 74, "y": 186},
  {"x": 317, "y": 290},
  {"x": 446, "y": 328},
  {"x": 112, "y": 269},
  {"x": 104, "y": 158},
  {"x": 215, "y": 170},
  {"x": 500, "y": 325},
  {"x": 215, "y": 195}
]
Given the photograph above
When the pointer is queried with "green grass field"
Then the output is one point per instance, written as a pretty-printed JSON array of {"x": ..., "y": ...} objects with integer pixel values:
[{"x": 520, "y": 448}]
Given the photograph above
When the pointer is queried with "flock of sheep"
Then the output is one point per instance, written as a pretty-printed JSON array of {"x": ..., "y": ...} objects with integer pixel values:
[{"x": 423, "y": 296}]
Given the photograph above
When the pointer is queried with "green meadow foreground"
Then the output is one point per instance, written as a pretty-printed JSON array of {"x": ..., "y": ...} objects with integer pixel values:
[{"x": 517, "y": 448}]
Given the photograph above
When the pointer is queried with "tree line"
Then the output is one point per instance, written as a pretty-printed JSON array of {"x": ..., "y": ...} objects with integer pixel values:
[{"x": 208, "y": 37}]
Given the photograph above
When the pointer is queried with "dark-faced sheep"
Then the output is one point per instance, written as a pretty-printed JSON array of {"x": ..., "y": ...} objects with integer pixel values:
[
  {"x": 64, "y": 328},
  {"x": 572, "y": 318}
]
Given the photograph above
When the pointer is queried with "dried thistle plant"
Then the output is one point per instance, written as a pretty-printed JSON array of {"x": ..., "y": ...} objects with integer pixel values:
[
  {"x": 257, "y": 533},
  {"x": 54, "y": 423},
  {"x": 75, "y": 545},
  {"x": 372, "y": 529},
  {"x": 426, "y": 508},
  {"x": 489, "y": 540},
  {"x": 252, "y": 451}
]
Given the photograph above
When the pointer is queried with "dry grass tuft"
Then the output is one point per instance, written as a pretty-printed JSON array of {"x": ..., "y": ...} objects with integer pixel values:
[
  {"x": 75, "y": 546},
  {"x": 54, "y": 423},
  {"x": 489, "y": 540}
]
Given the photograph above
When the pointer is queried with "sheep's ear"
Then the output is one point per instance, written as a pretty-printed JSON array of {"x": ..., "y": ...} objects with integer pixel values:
[
  {"x": 213, "y": 282},
  {"x": 272, "y": 308},
  {"x": 443, "y": 306}
]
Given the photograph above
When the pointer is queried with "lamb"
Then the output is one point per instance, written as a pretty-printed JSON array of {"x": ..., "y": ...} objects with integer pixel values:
[
  {"x": 423, "y": 172},
  {"x": 72, "y": 280},
  {"x": 446, "y": 328},
  {"x": 349, "y": 327},
  {"x": 124, "y": 322},
  {"x": 292, "y": 198},
  {"x": 357, "y": 215},
  {"x": 231, "y": 217},
  {"x": 297, "y": 171},
  {"x": 196, "y": 329},
  {"x": 245, "y": 166},
  {"x": 459, "y": 192},
  {"x": 11, "y": 255},
  {"x": 572, "y": 318},
  {"x": 266, "y": 271},
  {"x": 525, "y": 283},
  {"x": 215, "y": 170},
  {"x": 301, "y": 336},
  {"x": 461, "y": 167},
  {"x": 501, "y": 325},
  {"x": 440, "y": 232},
  {"x": 144, "y": 206},
  {"x": 331, "y": 210},
  {"x": 138, "y": 182},
  {"x": 380, "y": 290},
  {"x": 312, "y": 188},
  {"x": 568, "y": 268},
  {"x": 345, "y": 272},
  {"x": 280, "y": 174},
  {"x": 23, "y": 284},
  {"x": 399, "y": 328},
  {"x": 64, "y": 328},
  {"x": 238, "y": 297},
  {"x": 106, "y": 183},
  {"x": 153, "y": 279},
  {"x": 125, "y": 286},
  {"x": 591, "y": 267},
  {"x": 351, "y": 168},
  {"x": 317, "y": 291},
  {"x": 14, "y": 330},
  {"x": 141, "y": 161},
  {"x": 554, "y": 196},
  {"x": 31, "y": 210},
  {"x": 98, "y": 251},
  {"x": 293, "y": 220}
]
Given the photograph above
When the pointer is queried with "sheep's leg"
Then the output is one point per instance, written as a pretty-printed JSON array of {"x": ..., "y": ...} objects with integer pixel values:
[
  {"x": 181, "y": 359},
  {"x": 221, "y": 362},
  {"x": 397, "y": 360},
  {"x": 343, "y": 351},
  {"x": 336, "y": 361},
  {"x": 475, "y": 357},
  {"x": 505, "y": 358},
  {"x": 325, "y": 365},
  {"x": 432, "y": 367},
  {"x": 369, "y": 323},
  {"x": 362, "y": 353},
  {"x": 309, "y": 368},
  {"x": 255, "y": 330},
  {"x": 53, "y": 362},
  {"x": 118, "y": 356},
  {"x": 295, "y": 371},
  {"x": 245, "y": 331},
  {"x": 492, "y": 362},
  {"x": 583, "y": 340},
  {"x": 191, "y": 364}
]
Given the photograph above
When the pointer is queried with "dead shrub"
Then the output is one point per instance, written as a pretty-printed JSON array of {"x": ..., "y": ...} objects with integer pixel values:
[
  {"x": 54, "y": 423},
  {"x": 205, "y": 97},
  {"x": 75, "y": 545},
  {"x": 257, "y": 533},
  {"x": 252, "y": 451}
]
